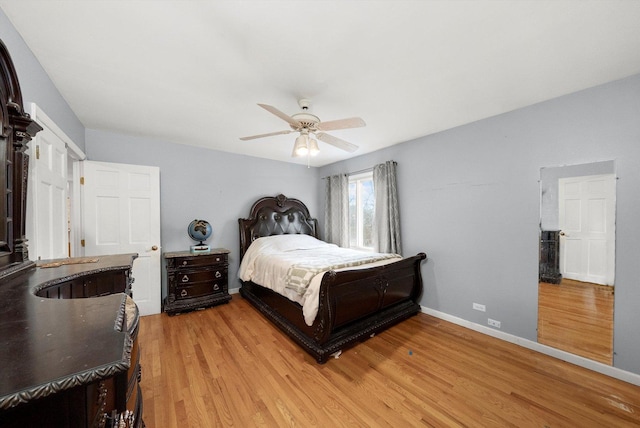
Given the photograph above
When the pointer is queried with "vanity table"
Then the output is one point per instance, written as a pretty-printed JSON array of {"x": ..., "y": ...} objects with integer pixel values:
[
  {"x": 68, "y": 329},
  {"x": 70, "y": 361}
]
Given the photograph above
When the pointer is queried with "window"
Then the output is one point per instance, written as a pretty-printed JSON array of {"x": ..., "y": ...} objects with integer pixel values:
[{"x": 361, "y": 210}]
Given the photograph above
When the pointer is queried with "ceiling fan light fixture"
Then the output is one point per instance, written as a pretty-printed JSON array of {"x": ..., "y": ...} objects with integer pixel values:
[
  {"x": 301, "y": 148},
  {"x": 313, "y": 147}
]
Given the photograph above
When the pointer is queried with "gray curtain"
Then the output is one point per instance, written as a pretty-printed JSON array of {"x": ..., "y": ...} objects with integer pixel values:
[
  {"x": 386, "y": 233},
  {"x": 336, "y": 216}
]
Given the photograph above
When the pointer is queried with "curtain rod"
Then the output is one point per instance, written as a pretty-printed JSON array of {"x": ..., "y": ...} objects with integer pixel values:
[
  {"x": 360, "y": 171},
  {"x": 353, "y": 172}
]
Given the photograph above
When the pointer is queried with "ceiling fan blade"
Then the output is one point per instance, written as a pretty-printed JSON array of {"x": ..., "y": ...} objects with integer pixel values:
[
  {"x": 332, "y": 125},
  {"x": 281, "y": 115},
  {"x": 253, "y": 137},
  {"x": 337, "y": 142}
]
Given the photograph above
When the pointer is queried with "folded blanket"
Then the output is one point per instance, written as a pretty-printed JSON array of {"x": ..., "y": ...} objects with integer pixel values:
[{"x": 299, "y": 275}]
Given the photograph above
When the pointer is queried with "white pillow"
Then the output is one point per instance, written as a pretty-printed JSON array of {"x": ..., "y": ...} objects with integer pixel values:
[{"x": 283, "y": 243}]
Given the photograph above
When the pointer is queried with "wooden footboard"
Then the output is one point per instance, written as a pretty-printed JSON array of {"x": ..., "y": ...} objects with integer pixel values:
[{"x": 354, "y": 305}]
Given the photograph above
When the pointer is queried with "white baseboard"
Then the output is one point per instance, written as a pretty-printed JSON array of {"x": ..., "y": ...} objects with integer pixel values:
[{"x": 535, "y": 346}]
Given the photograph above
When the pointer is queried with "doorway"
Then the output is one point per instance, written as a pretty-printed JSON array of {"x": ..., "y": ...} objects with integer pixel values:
[{"x": 53, "y": 202}]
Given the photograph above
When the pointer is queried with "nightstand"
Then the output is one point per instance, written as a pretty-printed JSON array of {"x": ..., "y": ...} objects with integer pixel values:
[{"x": 196, "y": 280}]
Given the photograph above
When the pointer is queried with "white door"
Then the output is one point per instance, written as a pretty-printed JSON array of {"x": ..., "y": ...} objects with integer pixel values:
[
  {"x": 53, "y": 200},
  {"x": 587, "y": 222},
  {"x": 49, "y": 238},
  {"x": 121, "y": 213}
]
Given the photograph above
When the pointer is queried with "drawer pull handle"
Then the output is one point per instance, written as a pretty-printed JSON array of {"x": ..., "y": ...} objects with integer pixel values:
[
  {"x": 216, "y": 287},
  {"x": 184, "y": 263},
  {"x": 183, "y": 293},
  {"x": 217, "y": 259},
  {"x": 185, "y": 278},
  {"x": 218, "y": 274}
]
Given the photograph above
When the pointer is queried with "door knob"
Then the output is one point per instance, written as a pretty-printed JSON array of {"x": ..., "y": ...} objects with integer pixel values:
[{"x": 154, "y": 248}]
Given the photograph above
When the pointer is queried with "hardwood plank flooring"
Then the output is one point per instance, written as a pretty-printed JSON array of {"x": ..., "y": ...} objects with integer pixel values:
[
  {"x": 228, "y": 366},
  {"x": 577, "y": 317}
]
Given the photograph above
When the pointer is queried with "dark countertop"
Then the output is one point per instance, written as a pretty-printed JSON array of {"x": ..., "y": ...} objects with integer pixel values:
[{"x": 48, "y": 345}]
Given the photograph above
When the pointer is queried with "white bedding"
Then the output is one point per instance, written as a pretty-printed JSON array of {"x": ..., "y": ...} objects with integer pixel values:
[{"x": 268, "y": 262}]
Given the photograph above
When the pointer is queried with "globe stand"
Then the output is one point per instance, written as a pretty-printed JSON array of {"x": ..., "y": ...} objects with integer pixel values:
[{"x": 200, "y": 248}]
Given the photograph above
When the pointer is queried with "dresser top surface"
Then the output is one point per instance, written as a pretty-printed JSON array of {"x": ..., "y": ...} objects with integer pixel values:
[{"x": 211, "y": 252}]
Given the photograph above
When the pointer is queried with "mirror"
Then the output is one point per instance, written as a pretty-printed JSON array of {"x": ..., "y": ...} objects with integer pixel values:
[{"x": 577, "y": 259}]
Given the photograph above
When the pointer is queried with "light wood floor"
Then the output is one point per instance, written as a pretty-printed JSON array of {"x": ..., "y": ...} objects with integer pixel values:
[
  {"x": 227, "y": 366},
  {"x": 577, "y": 317}
]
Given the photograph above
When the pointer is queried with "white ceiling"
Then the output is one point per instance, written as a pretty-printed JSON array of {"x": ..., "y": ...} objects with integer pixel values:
[{"x": 192, "y": 71}]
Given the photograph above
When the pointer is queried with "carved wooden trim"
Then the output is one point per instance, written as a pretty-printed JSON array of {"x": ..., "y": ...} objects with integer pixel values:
[
  {"x": 121, "y": 316},
  {"x": 173, "y": 305},
  {"x": 78, "y": 275},
  {"x": 53, "y": 387},
  {"x": 81, "y": 378},
  {"x": 17, "y": 130},
  {"x": 10, "y": 271}
]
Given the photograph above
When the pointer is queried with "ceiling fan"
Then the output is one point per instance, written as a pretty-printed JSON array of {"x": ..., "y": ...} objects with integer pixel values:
[{"x": 310, "y": 127}]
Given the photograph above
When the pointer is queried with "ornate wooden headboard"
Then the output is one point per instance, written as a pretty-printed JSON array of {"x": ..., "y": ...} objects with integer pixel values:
[{"x": 275, "y": 216}]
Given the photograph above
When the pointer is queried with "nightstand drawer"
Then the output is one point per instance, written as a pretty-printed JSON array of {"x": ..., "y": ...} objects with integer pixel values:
[
  {"x": 187, "y": 277},
  {"x": 208, "y": 260},
  {"x": 198, "y": 289}
]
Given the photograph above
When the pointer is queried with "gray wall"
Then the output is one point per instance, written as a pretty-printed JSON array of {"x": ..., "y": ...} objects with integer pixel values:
[
  {"x": 36, "y": 85},
  {"x": 200, "y": 183},
  {"x": 470, "y": 199}
]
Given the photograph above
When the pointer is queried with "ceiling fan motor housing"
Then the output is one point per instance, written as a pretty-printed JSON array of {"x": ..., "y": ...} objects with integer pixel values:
[{"x": 306, "y": 120}]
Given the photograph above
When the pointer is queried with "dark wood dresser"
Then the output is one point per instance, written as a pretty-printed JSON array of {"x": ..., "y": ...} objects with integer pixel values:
[
  {"x": 196, "y": 280},
  {"x": 71, "y": 359},
  {"x": 68, "y": 332}
]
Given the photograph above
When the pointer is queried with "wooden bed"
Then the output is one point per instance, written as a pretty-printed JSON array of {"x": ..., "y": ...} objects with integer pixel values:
[{"x": 353, "y": 304}]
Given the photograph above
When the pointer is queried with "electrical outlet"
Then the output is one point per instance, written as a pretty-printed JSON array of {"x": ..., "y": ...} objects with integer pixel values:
[
  {"x": 479, "y": 307},
  {"x": 493, "y": 323}
]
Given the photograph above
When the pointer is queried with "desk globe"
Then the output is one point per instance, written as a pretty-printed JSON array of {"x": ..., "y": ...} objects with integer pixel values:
[{"x": 199, "y": 230}]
